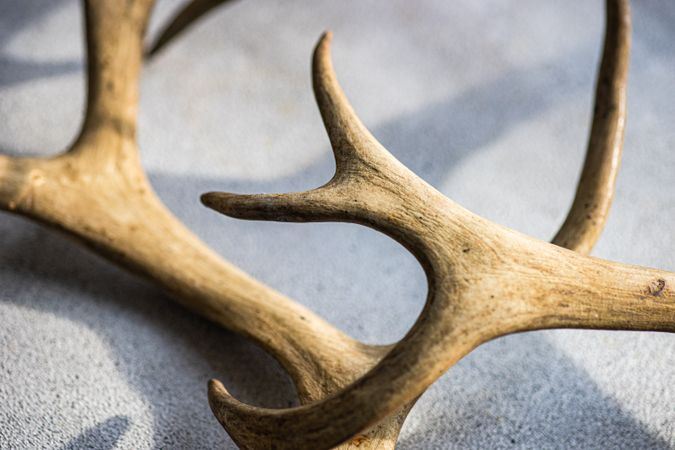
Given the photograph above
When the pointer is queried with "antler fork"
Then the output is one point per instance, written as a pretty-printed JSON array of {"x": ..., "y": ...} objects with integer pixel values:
[
  {"x": 97, "y": 192},
  {"x": 484, "y": 280}
]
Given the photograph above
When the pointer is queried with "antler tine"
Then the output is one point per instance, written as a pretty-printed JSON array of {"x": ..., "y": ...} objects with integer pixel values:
[
  {"x": 354, "y": 147},
  {"x": 363, "y": 168},
  {"x": 595, "y": 190},
  {"x": 485, "y": 281},
  {"x": 183, "y": 19}
]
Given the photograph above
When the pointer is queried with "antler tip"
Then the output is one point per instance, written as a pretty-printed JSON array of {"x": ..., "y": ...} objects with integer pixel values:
[
  {"x": 220, "y": 400},
  {"x": 322, "y": 49},
  {"x": 279, "y": 207},
  {"x": 217, "y": 389},
  {"x": 210, "y": 200},
  {"x": 326, "y": 36},
  {"x": 233, "y": 205}
]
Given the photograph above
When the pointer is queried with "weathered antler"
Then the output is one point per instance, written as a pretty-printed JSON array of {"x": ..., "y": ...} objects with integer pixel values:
[
  {"x": 97, "y": 191},
  {"x": 485, "y": 280}
]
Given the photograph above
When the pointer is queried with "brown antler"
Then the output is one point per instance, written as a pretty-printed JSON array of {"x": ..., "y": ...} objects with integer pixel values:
[
  {"x": 97, "y": 191},
  {"x": 485, "y": 281}
]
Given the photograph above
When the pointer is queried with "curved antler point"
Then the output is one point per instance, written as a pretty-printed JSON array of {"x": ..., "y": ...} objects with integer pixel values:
[
  {"x": 327, "y": 36},
  {"x": 322, "y": 50},
  {"x": 216, "y": 388},
  {"x": 210, "y": 199},
  {"x": 220, "y": 400},
  {"x": 241, "y": 206}
]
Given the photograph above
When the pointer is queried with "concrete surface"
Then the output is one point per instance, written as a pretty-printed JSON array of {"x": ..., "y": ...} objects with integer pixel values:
[{"x": 488, "y": 101}]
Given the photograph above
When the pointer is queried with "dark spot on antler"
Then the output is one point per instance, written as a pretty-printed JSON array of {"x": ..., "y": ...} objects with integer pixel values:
[{"x": 657, "y": 287}]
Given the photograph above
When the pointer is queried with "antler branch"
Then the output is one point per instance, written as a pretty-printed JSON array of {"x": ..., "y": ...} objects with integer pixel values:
[
  {"x": 485, "y": 281},
  {"x": 595, "y": 190}
]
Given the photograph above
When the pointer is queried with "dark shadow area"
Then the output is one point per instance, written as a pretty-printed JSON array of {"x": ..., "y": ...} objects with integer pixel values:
[
  {"x": 433, "y": 141},
  {"x": 103, "y": 436}
]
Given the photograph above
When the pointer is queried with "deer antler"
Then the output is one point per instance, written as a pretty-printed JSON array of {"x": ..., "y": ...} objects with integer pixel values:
[
  {"x": 97, "y": 192},
  {"x": 485, "y": 280}
]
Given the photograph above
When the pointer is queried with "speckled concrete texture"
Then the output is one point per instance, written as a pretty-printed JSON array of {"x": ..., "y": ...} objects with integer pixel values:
[{"x": 488, "y": 101}]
